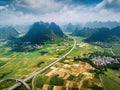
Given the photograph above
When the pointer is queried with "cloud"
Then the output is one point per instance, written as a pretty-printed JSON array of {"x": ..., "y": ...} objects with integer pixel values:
[
  {"x": 60, "y": 11},
  {"x": 2, "y": 7},
  {"x": 37, "y": 6},
  {"x": 113, "y": 5}
]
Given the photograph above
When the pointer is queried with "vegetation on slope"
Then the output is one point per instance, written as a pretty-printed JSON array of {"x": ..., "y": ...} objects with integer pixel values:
[
  {"x": 41, "y": 31},
  {"x": 100, "y": 36},
  {"x": 8, "y": 33}
]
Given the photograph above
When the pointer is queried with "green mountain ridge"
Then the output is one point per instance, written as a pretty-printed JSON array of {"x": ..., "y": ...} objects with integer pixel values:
[
  {"x": 104, "y": 35},
  {"x": 8, "y": 33},
  {"x": 41, "y": 31}
]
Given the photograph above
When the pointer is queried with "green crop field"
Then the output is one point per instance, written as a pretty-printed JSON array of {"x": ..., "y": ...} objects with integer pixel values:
[
  {"x": 108, "y": 83},
  {"x": 41, "y": 80},
  {"x": 84, "y": 48},
  {"x": 114, "y": 75},
  {"x": 80, "y": 49},
  {"x": 116, "y": 49},
  {"x": 22, "y": 64},
  {"x": 111, "y": 80},
  {"x": 87, "y": 48}
]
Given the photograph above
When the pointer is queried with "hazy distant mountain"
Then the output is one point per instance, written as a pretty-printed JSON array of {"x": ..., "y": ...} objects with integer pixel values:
[
  {"x": 8, "y": 32},
  {"x": 71, "y": 27},
  {"x": 43, "y": 31},
  {"x": 106, "y": 35},
  {"x": 85, "y": 32},
  {"x": 98, "y": 24},
  {"x": 99, "y": 34},
  {"x": 22, "y": 28}
]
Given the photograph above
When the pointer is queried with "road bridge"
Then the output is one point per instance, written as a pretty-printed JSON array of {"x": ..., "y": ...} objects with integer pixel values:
[
  {"x": 18, "y": 80},
  {"x": 45, "y": 68}
]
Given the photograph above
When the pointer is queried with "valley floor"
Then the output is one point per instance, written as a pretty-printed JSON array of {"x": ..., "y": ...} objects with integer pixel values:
[
  {"x": 66, "y": 74},
  {"x": 70, "y": 75}
]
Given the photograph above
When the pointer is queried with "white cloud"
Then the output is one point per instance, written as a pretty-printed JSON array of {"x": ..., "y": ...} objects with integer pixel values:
[
  {"x": 113, "y": 5},
  {"x": 2, "y": 7},
  {"x": 37, "y": 6},
  {"x": 29, "y": 11}
]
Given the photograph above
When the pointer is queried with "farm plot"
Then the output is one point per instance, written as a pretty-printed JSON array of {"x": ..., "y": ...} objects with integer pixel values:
[
  {"x": 66, "y": 76},
  {"x": 22, "y": 64}
]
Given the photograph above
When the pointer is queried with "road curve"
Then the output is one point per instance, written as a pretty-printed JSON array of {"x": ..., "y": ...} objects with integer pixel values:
[
  {"x": 45, "y": 68},
  {"x": 18, "y": 80}
]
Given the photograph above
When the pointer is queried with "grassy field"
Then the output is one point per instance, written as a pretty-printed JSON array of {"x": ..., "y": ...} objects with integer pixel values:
[
  {"x": 108, "y": 83},
  {"x": 22, "y": 64},
  {"x": 116, "y": 49},
  {"x": 113, "y": 74},
  {"x": 68, "y": 76},
  {"x": 71, "y": 75},
  {"x": 111, "y": 80},
  {"x": 84, "y": 48}
]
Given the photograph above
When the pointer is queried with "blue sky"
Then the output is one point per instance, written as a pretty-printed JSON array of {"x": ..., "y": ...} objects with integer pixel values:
[
  {"x": 60, "y": 11},
  {"x": 86, "y": 2}
]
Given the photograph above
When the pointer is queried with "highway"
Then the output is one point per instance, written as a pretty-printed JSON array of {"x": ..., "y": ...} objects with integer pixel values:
[
  {"x": 18, "y": 80},
  {"x": 45, "y": 68}
]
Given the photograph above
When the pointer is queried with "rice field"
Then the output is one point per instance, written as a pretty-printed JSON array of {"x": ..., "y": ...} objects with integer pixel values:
[{"x": 22, "y": 64}]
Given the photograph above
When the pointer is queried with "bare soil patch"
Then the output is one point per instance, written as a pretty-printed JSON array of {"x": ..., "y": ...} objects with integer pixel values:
[{"x": 57, "y": 88}]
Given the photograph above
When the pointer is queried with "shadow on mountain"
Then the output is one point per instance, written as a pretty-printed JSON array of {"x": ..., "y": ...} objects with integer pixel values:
[
  {"x": 43, "y": 52},
  {"x": 18, "y": 46},
  {"x": 38, "y": 34},
  {"x": 104, "y": 37}
]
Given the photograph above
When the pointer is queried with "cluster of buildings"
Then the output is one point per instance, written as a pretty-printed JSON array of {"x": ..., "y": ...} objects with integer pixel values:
[{"x": 104, "y": 60}]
